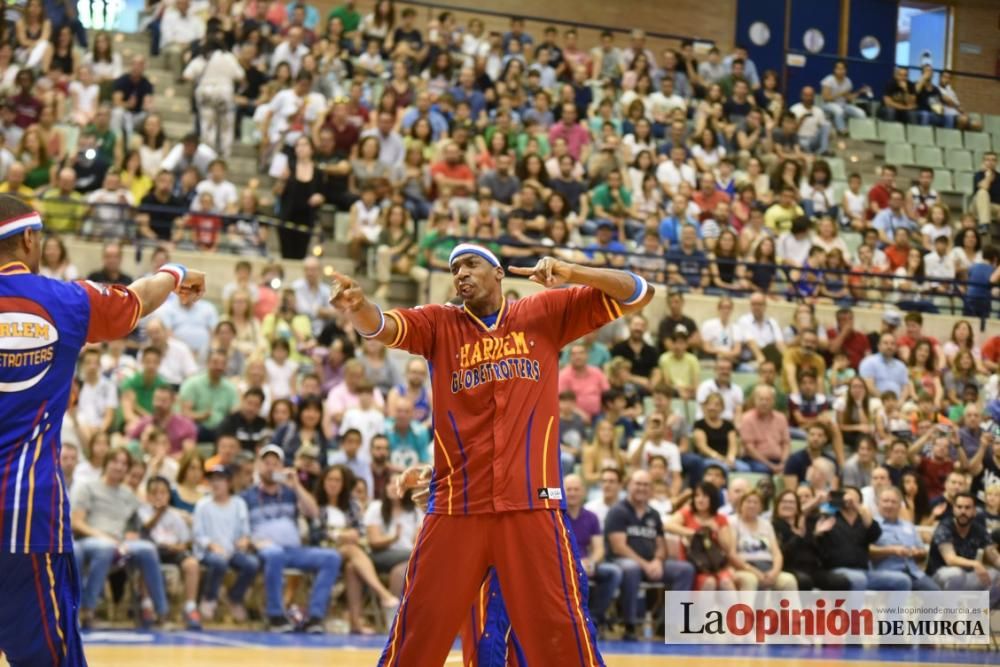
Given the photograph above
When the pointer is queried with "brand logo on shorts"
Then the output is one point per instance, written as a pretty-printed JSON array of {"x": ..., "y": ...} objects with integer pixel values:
[{"x": 550, "y": 494}]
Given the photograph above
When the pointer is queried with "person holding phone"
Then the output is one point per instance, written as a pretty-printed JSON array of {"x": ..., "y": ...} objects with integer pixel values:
[
  {"x": 274, "y": 505},
  {"x": 844, "y": 547}
]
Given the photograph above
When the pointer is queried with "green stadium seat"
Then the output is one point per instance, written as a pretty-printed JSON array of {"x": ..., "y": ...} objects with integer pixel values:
[
  {"x": 978, "y": 141},
  {"x": 797, "y": 446},
  {"x": 942, "y": 181},
  {"x": 920, "y": 135},
  {"x": 853, "y": 241},
  {"x": 929, "y": 156},
  {"x": 839, "y": 188},
  {"x": 891, "y": 132},
  {"x": 744, "y": 381},
  {"x": 963, "y": 182},
  {"x": 949, "y": 138},
  {"x": 838, "y": 172},
  {"x": 898, "y": 153},
  {"x": 862, "y": 129},
  {"x": 958, "y": 159},
  {"x": 991, "y": 123}
]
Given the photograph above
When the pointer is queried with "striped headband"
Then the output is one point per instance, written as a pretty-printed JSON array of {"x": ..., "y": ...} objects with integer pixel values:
[
  {"x": 20, "y": 223},
  {"x": 466, "y": 248}
]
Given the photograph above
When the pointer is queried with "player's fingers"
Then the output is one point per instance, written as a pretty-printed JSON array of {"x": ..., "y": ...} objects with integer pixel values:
[{"x": 521, "y": 270}]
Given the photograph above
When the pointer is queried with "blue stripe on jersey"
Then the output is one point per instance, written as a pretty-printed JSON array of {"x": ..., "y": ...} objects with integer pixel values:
[
  {"x": 562, "y": 572},
  {"x": 433, "y": 487},
  {"x": 527, "y": 461},
  {"x": 465, "y": 465}
]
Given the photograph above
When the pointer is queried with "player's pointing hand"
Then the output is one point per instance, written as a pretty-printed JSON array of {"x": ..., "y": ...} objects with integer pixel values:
[
  {"x": 345, "y": 294},
  {"x": 192, "y": 288},
  {"x": 548, "y": 272}
]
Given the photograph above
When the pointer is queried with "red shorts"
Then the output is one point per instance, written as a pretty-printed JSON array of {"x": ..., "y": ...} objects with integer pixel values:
[{"x": 538, "y": 567}]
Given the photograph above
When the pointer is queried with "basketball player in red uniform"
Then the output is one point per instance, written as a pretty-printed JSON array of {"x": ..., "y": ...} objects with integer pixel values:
[{"x": 496, "y": 496}]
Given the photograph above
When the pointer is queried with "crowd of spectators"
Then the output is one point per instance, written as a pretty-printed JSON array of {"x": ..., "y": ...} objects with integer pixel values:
[
  {"x": 741, "y": 453},
  {"x": 261, "y": 435}
]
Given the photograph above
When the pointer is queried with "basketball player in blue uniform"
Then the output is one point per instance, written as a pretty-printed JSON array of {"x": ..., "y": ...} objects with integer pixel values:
[{"x": 43, "y": 325}]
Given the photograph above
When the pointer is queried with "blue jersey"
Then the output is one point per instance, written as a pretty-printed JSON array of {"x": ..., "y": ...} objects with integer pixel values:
[{"x": 43, "y": 325}]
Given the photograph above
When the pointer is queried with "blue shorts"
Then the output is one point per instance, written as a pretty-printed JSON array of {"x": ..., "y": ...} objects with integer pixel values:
[{"x": 39, "y": 605}]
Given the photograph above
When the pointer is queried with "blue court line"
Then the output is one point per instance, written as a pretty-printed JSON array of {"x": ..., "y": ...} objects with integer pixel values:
[{"x": 892, "y": 654}]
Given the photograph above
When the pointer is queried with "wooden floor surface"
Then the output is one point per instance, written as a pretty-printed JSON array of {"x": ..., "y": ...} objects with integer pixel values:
[{"x": 192, "y": 656}]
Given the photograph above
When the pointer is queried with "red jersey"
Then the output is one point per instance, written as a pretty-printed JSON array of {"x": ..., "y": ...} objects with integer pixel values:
[
  {"x": 205, "y": 228},
  {"x": 496, "y": 407}
]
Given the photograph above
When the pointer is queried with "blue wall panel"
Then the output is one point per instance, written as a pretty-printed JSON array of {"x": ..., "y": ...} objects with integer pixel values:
[
  {"x": 772, "y": 14},
  {"x": 821, "y": 15},
  {"x": 876, "y": 18}
]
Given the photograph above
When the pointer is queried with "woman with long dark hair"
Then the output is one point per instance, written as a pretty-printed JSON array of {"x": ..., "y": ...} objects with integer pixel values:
[
  {"x": 341, "y": 527},
  {"x": 796, "y": 534},
  {"x": 300, "y": 189},
  {"x": 306, "y": 429},
  {"x": 856, "y": 413},
  {"x": 916, "y": 505}
]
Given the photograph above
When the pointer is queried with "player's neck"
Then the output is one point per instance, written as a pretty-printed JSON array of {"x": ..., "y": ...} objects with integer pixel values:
[{"x": 489, "y": 305}]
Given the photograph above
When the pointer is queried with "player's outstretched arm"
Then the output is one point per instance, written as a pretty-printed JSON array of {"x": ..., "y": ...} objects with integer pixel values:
[
  {"x": 114, "y": 310},
  {"x": 627, "y": 288},
  {"x": 366, "y": 317},
  {"x": 153, "y": 290}
]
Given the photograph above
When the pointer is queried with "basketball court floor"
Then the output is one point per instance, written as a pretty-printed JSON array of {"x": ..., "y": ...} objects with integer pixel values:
[{"x": 258, "y": 649}]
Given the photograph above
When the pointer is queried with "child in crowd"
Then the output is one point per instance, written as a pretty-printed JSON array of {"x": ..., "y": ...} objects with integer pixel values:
[
  {"x": 165, "y": 527},
  {"x": 854, "y": 203},
  {"x": 367, "y": 418},
  {"x": 202, "y": 228},
  {"x": 281, "y": 370},
  {"x": 840, "y": 374}
]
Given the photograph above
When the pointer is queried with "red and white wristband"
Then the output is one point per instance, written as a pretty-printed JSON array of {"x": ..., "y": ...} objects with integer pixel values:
[{"x": 178, "y": 271}]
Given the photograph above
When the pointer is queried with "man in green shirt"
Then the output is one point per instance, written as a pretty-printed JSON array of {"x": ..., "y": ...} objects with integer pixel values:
[
  {"x": 207, "y": 398},
  {"x": 679, "y": 367},
  {"x": 437, "y": 243},
  {"x": 62, "y": 208},
  {"x": 347, "y": 15},
  {"x": 137, "y": 391},
  {"x": 613, "y": 201}
]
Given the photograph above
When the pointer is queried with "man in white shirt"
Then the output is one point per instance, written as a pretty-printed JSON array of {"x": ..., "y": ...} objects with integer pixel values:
[
  {"x": 110, "y": 210},
  {"x": 839, "y": 95},
  {"x": 940, "y": 264},
  {"x": 287, "y": 104},
  {"x": 188, "y": 153},
  {"x": 177, "y": 363},
  {"x": 291, "y": 50},
  {"x": 179, "y": 28},
  {"x": 663, "y": 103},
  {"x": 312, "y": 295},
  {"x": 814, "y": 128},
  {"x": 225, "y": 198},
  {"x": 757, "y": 331},
  {"x": 671, "y": 173},
  {"x": 719, "y": 335},
  {"x": 98, "y": 398},
  {"x": 722, "y": 384}
]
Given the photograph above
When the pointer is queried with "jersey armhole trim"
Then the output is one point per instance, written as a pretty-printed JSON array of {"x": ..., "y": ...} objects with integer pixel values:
[{"x": 400, "y": 328}]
